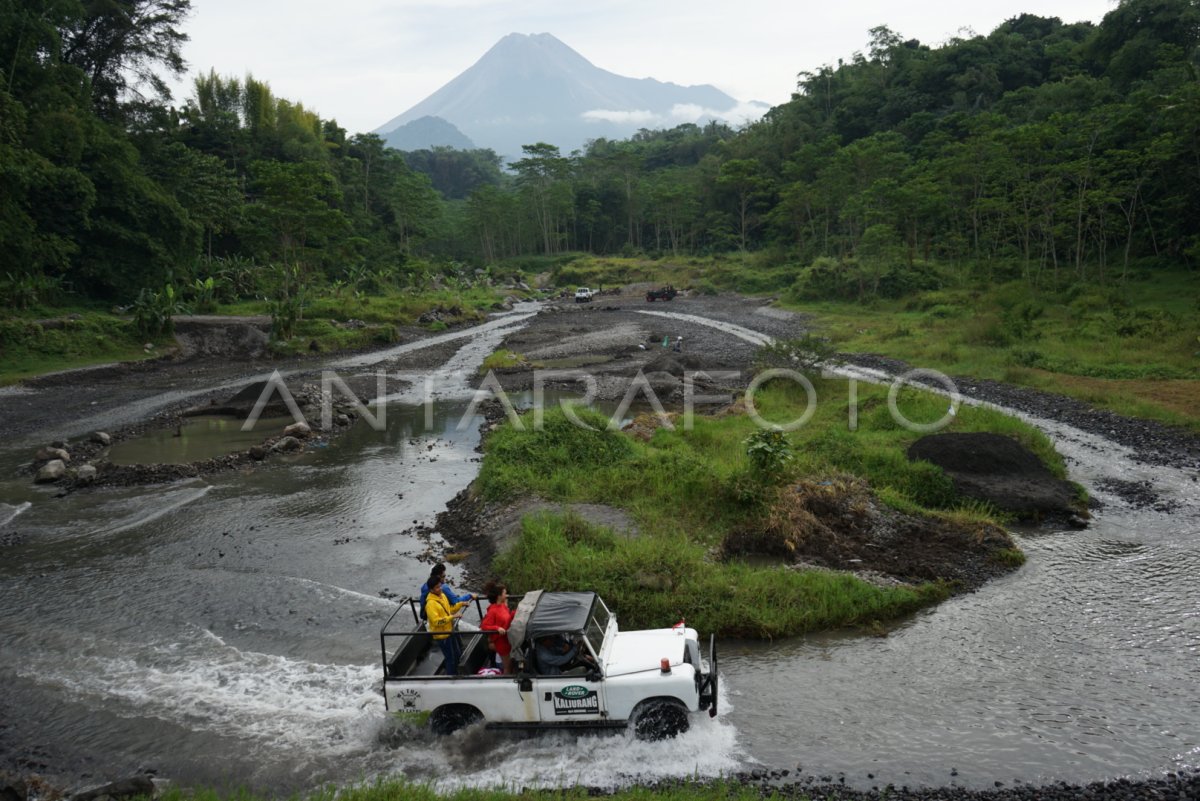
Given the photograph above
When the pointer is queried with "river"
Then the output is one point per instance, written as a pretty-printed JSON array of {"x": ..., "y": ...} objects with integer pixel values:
[{"x": 224, "y": 631}]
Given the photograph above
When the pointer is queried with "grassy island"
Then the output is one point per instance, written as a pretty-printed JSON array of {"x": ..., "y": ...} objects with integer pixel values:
[{"x": 696, "y": 498}]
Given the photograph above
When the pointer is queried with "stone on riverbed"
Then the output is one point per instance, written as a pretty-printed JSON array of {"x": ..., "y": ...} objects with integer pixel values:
[
  {"x": 298, "y": 430},
  {"x": 51, "y": 453},
  {"x": 86, "y": 474},
  {"x": 51, "y": 471},
  {"x": 101, "y": 438},
  {"x": 286, "y": 444}
]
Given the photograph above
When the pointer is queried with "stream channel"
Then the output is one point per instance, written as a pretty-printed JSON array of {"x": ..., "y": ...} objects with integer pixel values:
[{"x": 224, "y": 631}]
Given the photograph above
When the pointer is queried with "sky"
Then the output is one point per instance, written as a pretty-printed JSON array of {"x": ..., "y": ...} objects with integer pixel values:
[{"x": 363, "y": 62}]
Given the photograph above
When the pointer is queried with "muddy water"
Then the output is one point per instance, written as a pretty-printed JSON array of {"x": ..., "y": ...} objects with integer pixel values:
[
  {"x": 196, "y": 439},
  {"x": 226, "y": 631}
]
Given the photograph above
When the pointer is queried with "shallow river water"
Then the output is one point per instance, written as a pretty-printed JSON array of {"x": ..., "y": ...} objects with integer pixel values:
[{"x": 225, "y": 631}]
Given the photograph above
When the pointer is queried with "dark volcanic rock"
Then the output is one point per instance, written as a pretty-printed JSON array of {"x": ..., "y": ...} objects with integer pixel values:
[{"x": 1001, "y": 471}]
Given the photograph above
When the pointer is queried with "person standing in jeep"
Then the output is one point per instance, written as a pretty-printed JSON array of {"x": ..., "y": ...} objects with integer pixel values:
[{"x": 442, "y": 616}]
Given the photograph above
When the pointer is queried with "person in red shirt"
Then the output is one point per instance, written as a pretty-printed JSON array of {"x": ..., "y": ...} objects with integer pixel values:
[{"x": 497, "y": 621}]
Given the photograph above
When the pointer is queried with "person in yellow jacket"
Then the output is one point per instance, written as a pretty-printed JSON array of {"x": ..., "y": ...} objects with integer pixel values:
[{"x": 441, "y": 615}]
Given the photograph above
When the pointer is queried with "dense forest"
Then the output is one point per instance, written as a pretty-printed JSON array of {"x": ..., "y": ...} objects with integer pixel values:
[{"x": 1042, "y": 149}]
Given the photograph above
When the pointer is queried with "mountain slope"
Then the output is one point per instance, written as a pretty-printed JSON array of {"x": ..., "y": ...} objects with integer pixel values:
[
  {"x": 426, "y": 132},
  {"x": 530, "y": 88}
]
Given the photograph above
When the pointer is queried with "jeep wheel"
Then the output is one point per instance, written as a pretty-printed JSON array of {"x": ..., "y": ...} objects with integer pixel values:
[
  {"x": 660, "y": 720},
  {"x": 449, "y": 719}
]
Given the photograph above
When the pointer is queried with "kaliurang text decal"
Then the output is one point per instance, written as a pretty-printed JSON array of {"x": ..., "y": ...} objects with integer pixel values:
[{"x": 576, "y": 700}]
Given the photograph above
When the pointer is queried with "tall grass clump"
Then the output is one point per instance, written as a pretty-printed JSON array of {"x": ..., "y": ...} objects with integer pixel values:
[
  {"x": 650, "y": 581},
  {"x": 540, "y": 457}
]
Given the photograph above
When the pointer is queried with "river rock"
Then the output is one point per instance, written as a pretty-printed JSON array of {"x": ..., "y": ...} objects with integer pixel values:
[
  {"x": 52, "y": 453},
  {"x": 1001, "y": 471},
  {"x": 298, "y": 430},
  {"x": 257, "y": 453},
  {"x": 13, "y": 789},
  {"x": 51, "y": 471},
  {"x": 132, "y": 787},
  {"x": 101, "y": 438},
  {"x": 86, "y": 474},
  {"x": 286, "y": 444},
  {"x": 342, "y": 419}
]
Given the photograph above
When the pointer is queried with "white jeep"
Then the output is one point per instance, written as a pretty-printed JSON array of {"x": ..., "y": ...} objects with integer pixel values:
[
  {"x": 652, "y": 679},
  {"x": 583, "y": 295}
]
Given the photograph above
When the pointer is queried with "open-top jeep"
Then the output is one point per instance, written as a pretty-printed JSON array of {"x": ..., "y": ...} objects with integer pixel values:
[{"x": 652, "y": 679}]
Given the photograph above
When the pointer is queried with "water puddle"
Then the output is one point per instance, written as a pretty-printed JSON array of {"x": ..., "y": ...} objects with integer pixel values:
[{"x": 196, "y": 439}]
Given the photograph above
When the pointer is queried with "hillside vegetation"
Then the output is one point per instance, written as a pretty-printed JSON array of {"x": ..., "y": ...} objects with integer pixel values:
[{"x": 1031, "y": 190}]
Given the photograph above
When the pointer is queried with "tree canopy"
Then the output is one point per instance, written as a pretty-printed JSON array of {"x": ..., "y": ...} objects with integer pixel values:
[{"x": 1040, "y": 149}]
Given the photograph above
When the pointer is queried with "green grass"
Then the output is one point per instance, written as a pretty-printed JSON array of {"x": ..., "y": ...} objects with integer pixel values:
[
  {"x": 653, "y": 581},
  {"x": 1134, "y": 350},
  {"x": 97, "y": 337},
  {"x": 684, "y": 490},
  {"x": 28, "y": 348},
  {"x": 502, "y": 359},
  {"x": 323, "y": 336}
]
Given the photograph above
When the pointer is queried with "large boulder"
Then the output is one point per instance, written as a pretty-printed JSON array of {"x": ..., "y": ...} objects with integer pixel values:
[
  {"x": 86, "y": 474},
  {"x": 51, "y": 471},
  {"x": 298, "y": 430},
  {"x": 1001, "y": 471},
  {"x": 101, "y": 438}
]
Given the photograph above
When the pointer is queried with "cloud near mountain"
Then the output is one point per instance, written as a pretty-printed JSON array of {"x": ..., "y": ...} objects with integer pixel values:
[{"x": 678, "y": 114}]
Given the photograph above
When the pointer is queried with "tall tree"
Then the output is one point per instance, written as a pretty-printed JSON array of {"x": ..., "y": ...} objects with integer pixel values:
[{"x": 122, "y": 44}]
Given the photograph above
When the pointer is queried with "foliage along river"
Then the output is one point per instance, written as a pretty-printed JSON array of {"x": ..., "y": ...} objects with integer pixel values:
[{"x": 224, "y": 631}]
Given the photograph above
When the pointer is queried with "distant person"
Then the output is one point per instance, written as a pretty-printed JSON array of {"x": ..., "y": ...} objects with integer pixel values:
[
  {"x": 439, "y": 570},
  {"x": 442, "y": 615},
  {"x": 496, "y": 622},
  {"x": 678, "y": 347}
]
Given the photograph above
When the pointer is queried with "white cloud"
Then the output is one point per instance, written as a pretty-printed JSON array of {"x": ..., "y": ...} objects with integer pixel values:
[{"x": 679, "y": 114}]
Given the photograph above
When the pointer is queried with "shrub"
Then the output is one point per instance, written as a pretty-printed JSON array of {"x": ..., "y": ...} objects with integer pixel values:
[
  {"x": 806, "y": 354},
  {"x": 285, "y": 312},
  {"x": 152, "y": 311},
  {"x": 559, "y": 447},
  {"x": 829, "y": 279},
  {"x": 769, "y": 452},
  {"x": 901, "y": 280}
]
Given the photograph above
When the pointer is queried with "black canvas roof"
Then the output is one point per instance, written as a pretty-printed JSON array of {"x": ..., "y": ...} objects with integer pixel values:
[
  {"x": 559, "y": 612},
  {"x": 541, "y": 613}
]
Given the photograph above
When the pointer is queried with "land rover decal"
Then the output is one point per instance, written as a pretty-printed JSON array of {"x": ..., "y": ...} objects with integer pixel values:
[{"x": 575, "y": 699}]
